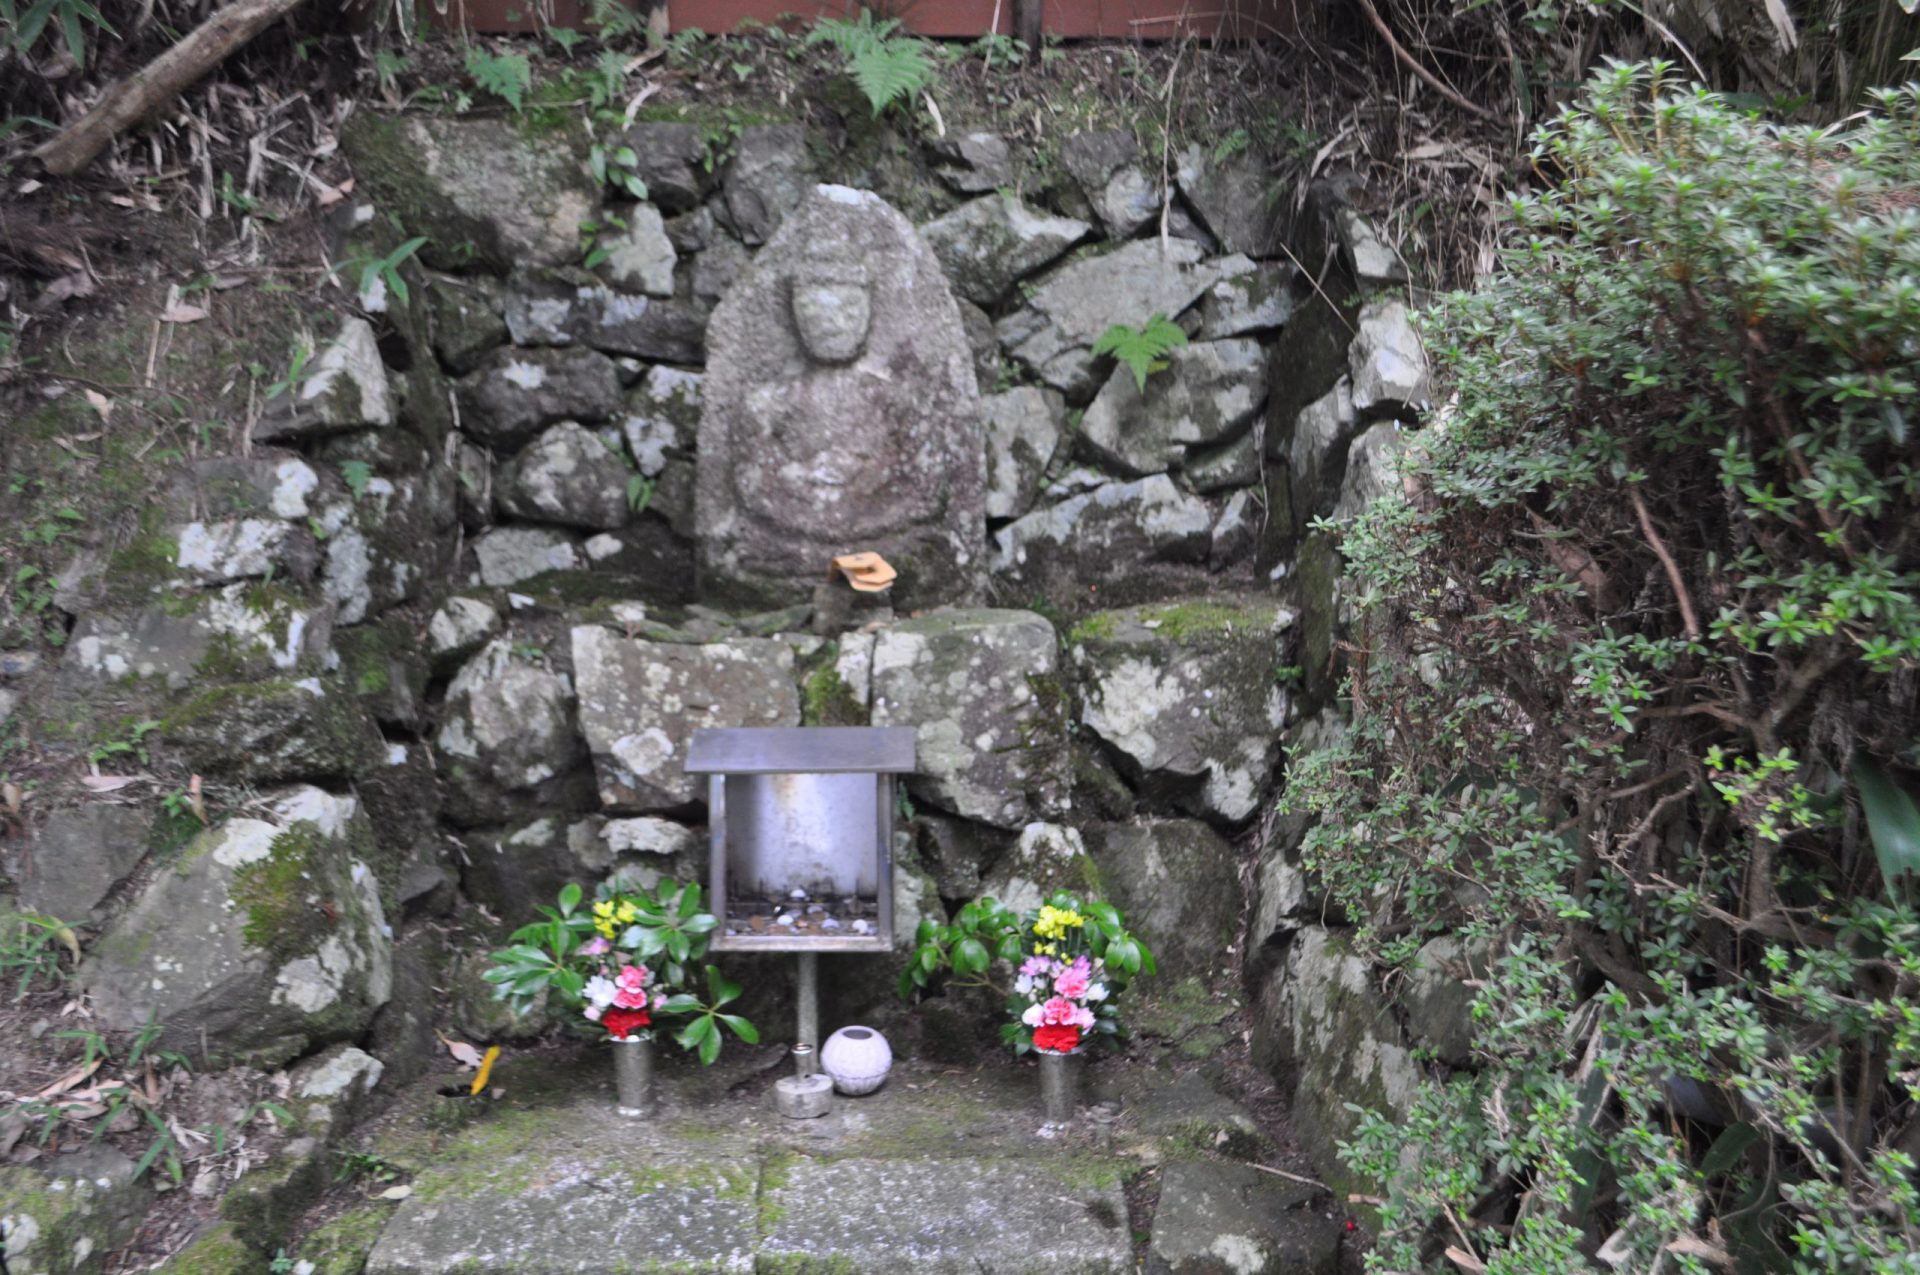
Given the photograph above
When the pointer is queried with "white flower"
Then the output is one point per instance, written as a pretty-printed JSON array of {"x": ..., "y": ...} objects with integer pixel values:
[
  {"x": 1023, "y": 984},
  {"x": 1097, "y": 992},
  {"x": 599, "y": 993},
  {"x": 592, "y": 1012},
  {"x": 1032, "y": 1017}
]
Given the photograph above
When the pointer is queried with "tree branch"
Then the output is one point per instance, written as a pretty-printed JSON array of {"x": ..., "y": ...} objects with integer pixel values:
[{"x": 159, "y": 82}]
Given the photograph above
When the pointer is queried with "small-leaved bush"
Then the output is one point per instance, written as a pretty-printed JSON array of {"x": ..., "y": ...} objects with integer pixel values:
[{"x": 1634, "y": 708}]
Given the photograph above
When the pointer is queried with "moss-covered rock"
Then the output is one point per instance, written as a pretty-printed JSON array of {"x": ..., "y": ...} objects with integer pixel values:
[
  {"x": 274, "y": 731},
  {"x": 481, "y": 190},
  {"x": 266, "y": 937},
  {"x": 218, "y": 1250},
  {"x": 70, "y": 1221},
  {"x": 982, "y": 688},
  {"x": 1186, "y": 698}
]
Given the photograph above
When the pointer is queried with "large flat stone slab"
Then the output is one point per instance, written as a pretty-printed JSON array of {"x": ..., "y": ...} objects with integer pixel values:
[
  {"x": 980, "y": 1217},
  {"x": 580, "y": 1215}
]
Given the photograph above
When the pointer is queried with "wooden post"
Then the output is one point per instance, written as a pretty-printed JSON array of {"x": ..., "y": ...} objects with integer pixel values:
[{"x": 1027, "y": 23}]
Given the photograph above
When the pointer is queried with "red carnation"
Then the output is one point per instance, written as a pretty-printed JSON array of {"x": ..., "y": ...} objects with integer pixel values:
[
  {"x": 1056, "y": 1039},
  {"x": 621, "y": 1023}
]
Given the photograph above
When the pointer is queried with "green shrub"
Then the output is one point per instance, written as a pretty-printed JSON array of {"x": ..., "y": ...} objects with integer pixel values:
[{"x": 1633, "y": 646}]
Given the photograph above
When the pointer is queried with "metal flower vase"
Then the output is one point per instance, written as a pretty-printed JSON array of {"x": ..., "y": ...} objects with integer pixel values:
[
  {"x": 633, "y": 1076},
  {"x": 1060, "y": 1084}
]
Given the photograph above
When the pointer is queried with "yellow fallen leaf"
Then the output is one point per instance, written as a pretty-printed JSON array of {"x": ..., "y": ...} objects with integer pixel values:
[
  {"x": 486, "y": 1069},
  {"x": 69, "y": 940},
  {"x": 395, "y": 1193}
]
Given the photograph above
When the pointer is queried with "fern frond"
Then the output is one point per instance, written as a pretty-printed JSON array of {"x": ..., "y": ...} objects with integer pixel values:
[
  {"x": 889, "y": 71},
  {"x": 505, "y": 75},
  {"x": 1140, "y": 349}
]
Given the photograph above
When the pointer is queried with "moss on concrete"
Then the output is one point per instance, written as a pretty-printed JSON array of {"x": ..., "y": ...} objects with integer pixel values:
[
  {"x": 219, "y": 1251},
  {"x": 277, "y": 893}
]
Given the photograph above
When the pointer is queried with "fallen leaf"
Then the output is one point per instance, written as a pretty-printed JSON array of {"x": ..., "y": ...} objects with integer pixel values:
[
  {"x": 100, "y": 403},
  {"x": 463, "y": 1053},
  {"x": 85, "y": 1111},
  {"x": 110, "y": 782},
  {"x": 195, "y": 802},
  {"x": 77, "y": 284},
  {"x": 486, "y": 1069},
  {"x": 395, "y": 1193},
  {"x": 1426, "y": 150},
  {"x": 1463, "y": 1259},
  {"x": 182, "y": 314},
  {"x": 71, "y": 1079},
  {"x": 13, "y": 795},
  {"x": 69, "y": 941}
]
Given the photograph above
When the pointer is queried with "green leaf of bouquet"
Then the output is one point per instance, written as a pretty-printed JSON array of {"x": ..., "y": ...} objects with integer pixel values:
[
  {"x": 742, "y": 1028},
  {"x": 696, "y": 1031},
  {"x": 569, "y": 897},
  {"x": 720, "y": 988},
  {"x": 709, "y": 1046},
  {"x": 970, "y": 956},
  {"x": 702, "y": 924},
  {"x": 680, "y": 1003}
]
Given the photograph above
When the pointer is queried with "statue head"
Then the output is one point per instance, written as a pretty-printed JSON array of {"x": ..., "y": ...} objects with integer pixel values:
[{"x": 832, "y": 305}]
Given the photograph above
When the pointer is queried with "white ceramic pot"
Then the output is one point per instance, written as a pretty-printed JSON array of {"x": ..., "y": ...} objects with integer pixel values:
[{"x": 858, "y": 1059}]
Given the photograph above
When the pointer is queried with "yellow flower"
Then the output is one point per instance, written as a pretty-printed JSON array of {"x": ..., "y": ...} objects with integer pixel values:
[
  {"x": 606, "y": 928},
  {"x": 1044, "y": 949},
  {"x": 628, "y": 913},
  {"x": 1053, "y": 923}
]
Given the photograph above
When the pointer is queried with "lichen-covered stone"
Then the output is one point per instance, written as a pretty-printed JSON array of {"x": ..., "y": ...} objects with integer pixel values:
[
  {"x": 1251, "y": 297},
  {"x": 69, "y": 1217},
  {"x": 1045, "y": 857},
  {"x": 568, "y": 476},
  {"x": 671, "y": 158},
  {"x": 1317, "y": 453},
  {"x": 466, "y": 319},
  {"x": 1178, "y": 884},
  {"x": 1208, "y": 393},
  {"x": 1185, "y": 697},
  {"x": 1053, "y": 332},
  {"x": 1105, "y": 164},
  {"x": 973, "y": 163},
  {"x": 507, "y": 734},
  {"x": 641, "y": 701},
  {"x": 76, "y": 856},
  {"x": 333, "y": 1090},
  {"x": 640, "y": 257},
  {"x": 1025, "y": 426},
  {"x": 982, "y": 688},
  {"x": 238, "y": 630},
  {"x": 839, "y": 412},
  {"x": 239, "y": 548},
  {"x": 274, "y": 731},
  {"x": 572, "y": 307},
  {"x": 342, "y": 385},
  {"x": 1229, "y": 466},
  {"x": 477, "y": 187},
  {"x": 1284, "y": 897},
  {"x": 513, "y": 393},
  {"x": 508, "y": 555},
  {"x": 460, "y": 627},
  {"x": 267, "y": 935},
  {"x": 1372, "y": 263},
  {"x": 1387, "y": 362},
  {"x": 986, "y": 245},
  {"x": 512, "y": 870},
  {"x": 384, "y": 541},
  {"x": 1370, "y": 470},
  {"x": 764, "y": 180},
  {"x": 1328, "y": 1026},
  {"x": 1213, "y": 1218},
  {"x": 662, "y": 418},
  {"x": 1231, "y": 196},
  {"x": 1120, "y": 542}
]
